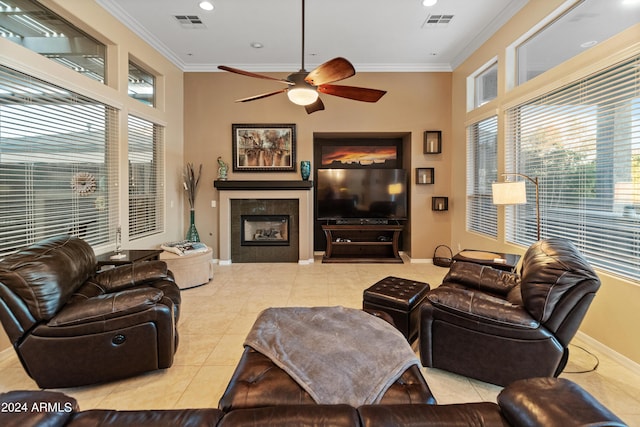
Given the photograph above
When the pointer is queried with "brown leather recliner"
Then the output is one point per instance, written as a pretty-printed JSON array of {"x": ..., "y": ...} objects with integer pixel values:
[
  {"x": 71, "y": 326},
  {"x": 499, "y": 327}
]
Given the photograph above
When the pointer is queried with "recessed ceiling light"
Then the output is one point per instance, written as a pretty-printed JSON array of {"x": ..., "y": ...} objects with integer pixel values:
[
  {"x": 590, "y": 43},
  {"x": 256, "y": 45},
  {"x": 206, "y": 5},
  {"x": 429, "y": 3}
]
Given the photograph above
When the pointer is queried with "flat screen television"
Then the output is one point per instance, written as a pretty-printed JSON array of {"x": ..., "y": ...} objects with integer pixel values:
[{"x": 361, "y": 194}]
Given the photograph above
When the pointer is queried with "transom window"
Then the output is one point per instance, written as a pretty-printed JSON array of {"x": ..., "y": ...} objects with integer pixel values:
[
  {"x": 36, "y": 28},
  {"x": 587, "y": 24},
  {"x": 142, "y": 84}
]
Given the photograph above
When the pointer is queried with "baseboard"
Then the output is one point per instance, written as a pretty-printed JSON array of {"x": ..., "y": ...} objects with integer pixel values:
[
  {"x": 619, "y": 358},
  {"x": 421, "y": 260}
]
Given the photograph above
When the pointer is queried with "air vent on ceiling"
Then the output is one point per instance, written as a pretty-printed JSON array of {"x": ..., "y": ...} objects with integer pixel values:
[
  {"x": 437, "y": 21},
  {"x": 190, "y": 22}
]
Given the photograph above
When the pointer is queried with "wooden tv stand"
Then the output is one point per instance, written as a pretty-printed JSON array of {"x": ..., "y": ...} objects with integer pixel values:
[{"x": 362, "y": 243}]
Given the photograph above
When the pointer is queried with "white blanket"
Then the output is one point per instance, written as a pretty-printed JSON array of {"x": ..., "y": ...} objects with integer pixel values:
[{"x": 338, "y": 355}]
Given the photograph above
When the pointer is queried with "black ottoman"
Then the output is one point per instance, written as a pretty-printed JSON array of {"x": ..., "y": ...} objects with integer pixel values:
[{"x": 400, "y": 298}]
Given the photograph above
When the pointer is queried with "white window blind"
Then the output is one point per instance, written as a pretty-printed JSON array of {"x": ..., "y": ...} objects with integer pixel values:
[
  {"x": 146, "y": 178},
  {"x": 58, "y": 164},
  {"x": 582, "y": 141},
  {"x": 482, "y": 150}
]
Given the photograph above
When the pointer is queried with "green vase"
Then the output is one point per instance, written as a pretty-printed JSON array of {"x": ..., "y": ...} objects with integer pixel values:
[{"x": 192, "y": 231}]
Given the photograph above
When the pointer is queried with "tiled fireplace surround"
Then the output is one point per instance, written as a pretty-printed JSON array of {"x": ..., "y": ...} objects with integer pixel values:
[{"x": 264, "y": 191}]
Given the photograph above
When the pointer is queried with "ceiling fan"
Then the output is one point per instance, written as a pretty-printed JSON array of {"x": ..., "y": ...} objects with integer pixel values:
[{"x": 303, "y": 86}]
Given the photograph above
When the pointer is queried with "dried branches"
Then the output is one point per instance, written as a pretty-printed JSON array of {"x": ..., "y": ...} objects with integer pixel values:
[{"x": 191, "y": 182}]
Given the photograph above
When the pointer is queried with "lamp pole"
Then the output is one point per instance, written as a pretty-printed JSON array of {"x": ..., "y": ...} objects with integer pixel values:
[{"x": 535, "y": 182}]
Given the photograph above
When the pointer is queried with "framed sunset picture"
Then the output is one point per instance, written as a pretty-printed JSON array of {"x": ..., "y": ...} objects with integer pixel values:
[{"x": 359, "y": 156}]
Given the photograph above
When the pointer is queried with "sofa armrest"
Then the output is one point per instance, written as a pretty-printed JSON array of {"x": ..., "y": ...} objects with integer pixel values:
[
  {"x": 107, "y": 306},
  {"x": 129, "y": 275},
  {"x": 484, "y": 307},
  {"x": 553, "y": 402},
  {"x": 482, "y": 278}
]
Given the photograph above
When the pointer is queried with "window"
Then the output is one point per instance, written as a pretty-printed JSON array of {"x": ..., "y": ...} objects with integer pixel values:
[
  {"x": 58, "y": 164},
  {"x": 141, "y": 84},
  {"x": 582, "y": 141},
  {"x": 482, "y": 150},
  {"x": 588, "y": 23},
  {"x": 146, "y": 178},
  {"x": 31, "y": 25},
  {"x": 486, "y": 85}
]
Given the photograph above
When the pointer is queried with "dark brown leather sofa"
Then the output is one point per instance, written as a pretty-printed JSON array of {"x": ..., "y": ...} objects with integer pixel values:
[
  {"x": 545, "y": 402},
  {"x": 499, "y": 327},
  {"x": 71, "y": 326}
]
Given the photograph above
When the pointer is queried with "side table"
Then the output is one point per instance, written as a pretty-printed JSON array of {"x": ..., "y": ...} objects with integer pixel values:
[
  {"x": 501, "y": 261},
  {"x": 131, "y": 256}
]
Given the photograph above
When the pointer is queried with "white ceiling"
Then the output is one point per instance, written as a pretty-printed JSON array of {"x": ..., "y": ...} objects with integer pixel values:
[{"x": 375, "y": 35}]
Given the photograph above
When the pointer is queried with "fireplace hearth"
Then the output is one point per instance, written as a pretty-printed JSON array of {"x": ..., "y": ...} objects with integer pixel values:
[{"x": 264, "y": 230}]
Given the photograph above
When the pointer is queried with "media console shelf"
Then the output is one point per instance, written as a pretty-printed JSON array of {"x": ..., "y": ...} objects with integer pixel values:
[{"x": 362, "y": 243}]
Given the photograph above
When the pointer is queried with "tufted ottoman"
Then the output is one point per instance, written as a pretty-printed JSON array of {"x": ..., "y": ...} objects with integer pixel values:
[{"x": 400, "y": 298}]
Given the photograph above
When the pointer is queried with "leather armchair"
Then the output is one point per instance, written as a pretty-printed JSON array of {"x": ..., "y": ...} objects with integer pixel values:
[
  {"x": 499, "y": 327},
  {"x": 71, "y": 326}
]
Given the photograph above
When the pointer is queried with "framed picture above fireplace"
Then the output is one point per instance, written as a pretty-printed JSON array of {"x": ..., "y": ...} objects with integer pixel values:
[{"x": 264, "y": 147}]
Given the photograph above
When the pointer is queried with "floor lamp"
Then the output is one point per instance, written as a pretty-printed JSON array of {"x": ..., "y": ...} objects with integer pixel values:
[{"x": 515, "y": 193}]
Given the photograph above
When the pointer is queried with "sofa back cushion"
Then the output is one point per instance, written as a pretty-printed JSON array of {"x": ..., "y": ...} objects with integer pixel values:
[
  {"x": 45, "y": 274},
  {"x": 551, "y": 270}
]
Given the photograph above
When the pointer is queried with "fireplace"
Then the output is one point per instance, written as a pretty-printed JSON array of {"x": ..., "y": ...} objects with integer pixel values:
[
  {"x": 265, "y": 197},
  {"x": 264, "y": 230}
]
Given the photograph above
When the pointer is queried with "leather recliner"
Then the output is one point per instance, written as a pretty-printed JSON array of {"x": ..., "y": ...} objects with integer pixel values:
[
  {"x": 71, "y": 326},
  {"x": 498, "y": 326}
]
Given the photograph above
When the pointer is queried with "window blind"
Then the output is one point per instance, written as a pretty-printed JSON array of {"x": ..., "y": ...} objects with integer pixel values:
[
  {"x": 58, "y": 164},
  {"x": 482, "y": 150},
  {"x": 582, "y": 141},
  {"x": 146, "y": 178}
]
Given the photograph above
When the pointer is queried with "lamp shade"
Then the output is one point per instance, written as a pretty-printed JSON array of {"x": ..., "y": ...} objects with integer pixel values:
[{"x": 509, "y": 193}]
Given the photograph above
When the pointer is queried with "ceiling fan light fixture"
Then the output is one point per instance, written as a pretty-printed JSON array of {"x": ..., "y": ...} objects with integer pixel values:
[{"x": 302, "y": 95}]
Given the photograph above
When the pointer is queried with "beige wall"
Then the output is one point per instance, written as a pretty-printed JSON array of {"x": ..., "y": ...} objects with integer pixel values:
[
  {"x": 121, "y": 43},
  {"x": 415, "y": 102},
  {"x": 615, "y": 313}
]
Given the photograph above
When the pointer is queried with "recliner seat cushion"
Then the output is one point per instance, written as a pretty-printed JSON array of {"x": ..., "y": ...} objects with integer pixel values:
[
  {"x": 45, "y": 274},
  {"x": 108, "y": 306},
  {"x": 483, "y": 306}
]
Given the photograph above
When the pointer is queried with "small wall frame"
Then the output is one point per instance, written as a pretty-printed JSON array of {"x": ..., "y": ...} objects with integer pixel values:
[
  {"x": 432, "y": 142},
  {"x": 425, "y": 176},
  {"x": 439, "y": 203}
]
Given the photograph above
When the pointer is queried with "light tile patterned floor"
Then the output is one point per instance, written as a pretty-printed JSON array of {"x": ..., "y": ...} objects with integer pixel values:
[{"x": 216, "y": 318}]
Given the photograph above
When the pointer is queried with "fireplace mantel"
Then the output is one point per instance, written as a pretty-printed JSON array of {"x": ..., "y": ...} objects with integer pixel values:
[{"x": 262, "y": 185}]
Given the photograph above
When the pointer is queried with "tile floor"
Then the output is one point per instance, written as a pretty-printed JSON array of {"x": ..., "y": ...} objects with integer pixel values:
[{"x": 216, "y": 318}]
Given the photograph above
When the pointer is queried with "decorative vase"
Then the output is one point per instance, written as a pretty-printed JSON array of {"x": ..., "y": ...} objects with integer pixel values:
[
  {"x": 192, "y": 231},
  {"x": 305, "y": 169}
]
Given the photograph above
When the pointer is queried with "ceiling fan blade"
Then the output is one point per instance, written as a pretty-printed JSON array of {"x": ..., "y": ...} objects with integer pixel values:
[
  {"x": 352, "y": 92},
  {"x": 250, "y": 74},
  {"x": 263, "y": 95},
  {"x": 316, "y": 106},
  {"x": 331, "y": 71}
]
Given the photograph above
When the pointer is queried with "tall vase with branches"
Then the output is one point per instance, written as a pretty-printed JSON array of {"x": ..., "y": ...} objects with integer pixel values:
[{"x": 191, "y": 181}]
